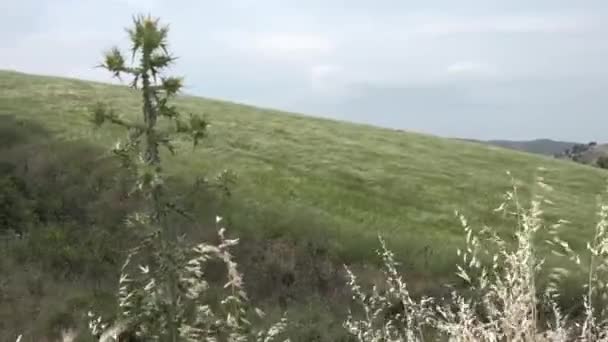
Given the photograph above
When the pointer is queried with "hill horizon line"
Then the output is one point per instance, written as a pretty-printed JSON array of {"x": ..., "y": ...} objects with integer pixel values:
[{"x": 498, "y": 141}]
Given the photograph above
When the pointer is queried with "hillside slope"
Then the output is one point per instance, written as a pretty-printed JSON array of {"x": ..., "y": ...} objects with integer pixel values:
[{"x": 345, "y": 182}]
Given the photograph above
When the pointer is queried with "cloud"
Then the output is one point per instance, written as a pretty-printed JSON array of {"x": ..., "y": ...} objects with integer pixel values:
[
  {"x": 471, "y": 69},
  {"x": 288, "y": 43},
  {"x": 323, "y": 71},
  {"x": 35, "y": 52},
  {"x": 141, "y": 5},
  {"x": 442, "y": 25},
  {"x": 328, "y": 79},
  {"x": 285, "y": 46}
]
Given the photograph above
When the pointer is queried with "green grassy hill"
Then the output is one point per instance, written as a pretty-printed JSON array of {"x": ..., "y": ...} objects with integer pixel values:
[
  {"x": 355, "y": 180},
  {"x": 311, "y": 193}
]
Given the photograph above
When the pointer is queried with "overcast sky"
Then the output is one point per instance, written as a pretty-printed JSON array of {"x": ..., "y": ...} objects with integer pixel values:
[{"x": 514, "y": 69}]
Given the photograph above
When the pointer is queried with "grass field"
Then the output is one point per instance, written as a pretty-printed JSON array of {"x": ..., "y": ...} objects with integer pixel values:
[
  {"x": 353, "y": 181},
  {"x": 304, "y": 185}
]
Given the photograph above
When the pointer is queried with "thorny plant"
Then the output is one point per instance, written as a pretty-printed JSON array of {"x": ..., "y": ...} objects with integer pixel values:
[{"x": 163, "y": 294}]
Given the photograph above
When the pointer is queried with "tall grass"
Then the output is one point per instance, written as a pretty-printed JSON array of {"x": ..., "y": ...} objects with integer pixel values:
[
  {"x": 201, "y": 317},
  {"x": 503, "y": 299}
]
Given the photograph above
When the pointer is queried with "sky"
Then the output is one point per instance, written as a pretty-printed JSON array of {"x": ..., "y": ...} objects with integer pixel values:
[{"x": 482, "y": 69}]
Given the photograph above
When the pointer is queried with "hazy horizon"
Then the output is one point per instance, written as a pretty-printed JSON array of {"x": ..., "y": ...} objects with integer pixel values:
[{"x": 480, "y": 69}]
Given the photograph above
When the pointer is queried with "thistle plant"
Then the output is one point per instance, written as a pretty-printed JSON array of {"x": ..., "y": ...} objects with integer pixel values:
[{"x": 163, "y": 294}]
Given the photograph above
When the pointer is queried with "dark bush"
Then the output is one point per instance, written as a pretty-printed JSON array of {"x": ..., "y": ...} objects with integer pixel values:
[
  {"x": 16, "y": 215},
  {"x": 602, "y": 162}
]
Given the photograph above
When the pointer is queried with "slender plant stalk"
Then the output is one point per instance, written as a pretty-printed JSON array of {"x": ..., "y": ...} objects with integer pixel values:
[{"x": 148, "y": 40}]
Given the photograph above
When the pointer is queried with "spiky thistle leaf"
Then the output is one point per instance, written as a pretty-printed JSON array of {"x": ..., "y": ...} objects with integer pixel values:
[
  {"x": 159, "y": 60},
  {"x": 198, "y": 128},
  {"x": 172, "y": 85},
  {"x": 99, "y": 114},
  {"x": 114, "y": 62}
]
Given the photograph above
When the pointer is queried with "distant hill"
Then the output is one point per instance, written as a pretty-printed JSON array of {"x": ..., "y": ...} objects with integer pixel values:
[
  {"x": 538, "y": 146},
  {"x": 581, "y": 153},
  {"x": 587, "y": 154}
]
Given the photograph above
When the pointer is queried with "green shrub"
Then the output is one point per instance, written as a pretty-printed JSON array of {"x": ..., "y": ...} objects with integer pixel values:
[
  {"x": 16, "y": 209},
  {"x": 602, "y": 162}
]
